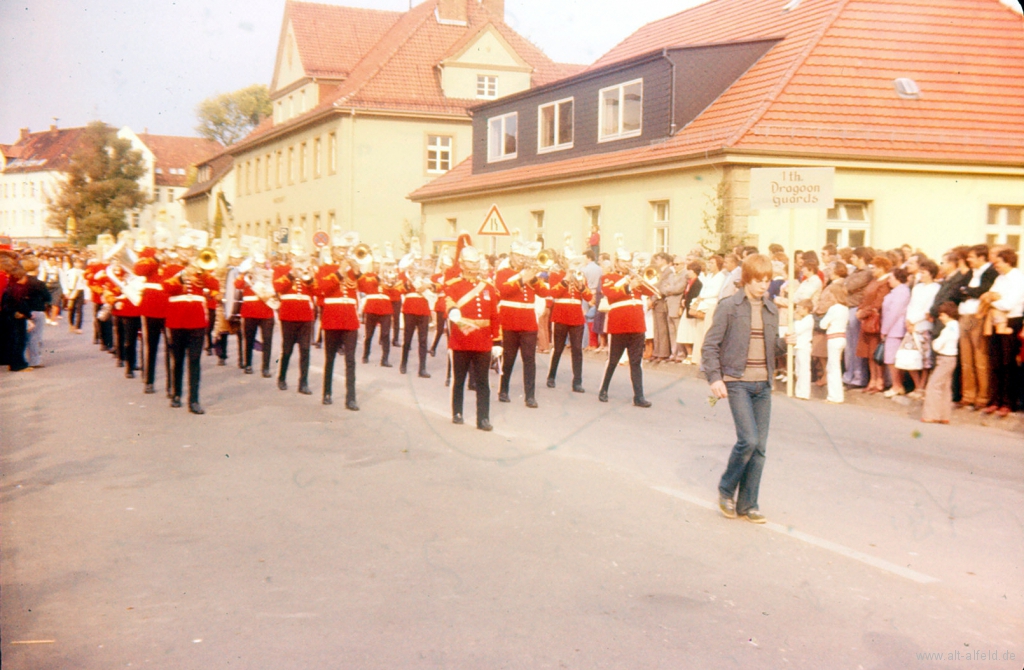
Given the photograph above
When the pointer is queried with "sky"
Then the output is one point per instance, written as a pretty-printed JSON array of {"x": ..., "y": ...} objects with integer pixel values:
[{"x": 147, "y": 64}]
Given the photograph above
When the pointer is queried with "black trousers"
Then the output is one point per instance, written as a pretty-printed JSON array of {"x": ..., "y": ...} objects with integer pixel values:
[
  {"x": 187, "y": 340},
  {"x": 396, "y": 321},
  {"x": 1005, "y": 374},
  {"x": 441, "y": 320},
  {"x": 418, "y": 324},
  {"x": 512, "y": 343},
  {"x": 115, "y": 325},
  {"x": 346, "y": 341},
  {"x": 211, "y": 322},
  {"x": 128, "y": 328},
  {"x": 477, "y": 365},
  {"x": 222, "y": 346},
  {"x": 385, "y": 335},
  {"x": 575, "y": 335},
  {"x": 266, "y": 328},
  {"x": 104, "y": 329},
  {"x": 76, "y": 311},
  {"x": 633, "y": 343},
  {"x": 152, "y": 329},
  {"x": 292, "y": 333}
]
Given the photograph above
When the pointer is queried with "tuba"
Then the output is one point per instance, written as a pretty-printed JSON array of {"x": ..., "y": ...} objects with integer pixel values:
[
  {"x": 362, "y": 256},
  {"x": 124, "y": 257}
]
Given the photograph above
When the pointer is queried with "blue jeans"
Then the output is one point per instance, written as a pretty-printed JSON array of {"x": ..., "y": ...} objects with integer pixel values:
[
  {"x": 34, "y": 346},
  {"x": 856, "y": 368},
  {"x": 751, "y": 405}
]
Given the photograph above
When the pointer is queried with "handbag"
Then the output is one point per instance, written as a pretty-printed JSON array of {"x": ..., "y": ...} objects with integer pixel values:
[
  {"x": 910, "y": 355},
  {"x": 879, "y": 355},
  {"x": 604, "y": 305}
]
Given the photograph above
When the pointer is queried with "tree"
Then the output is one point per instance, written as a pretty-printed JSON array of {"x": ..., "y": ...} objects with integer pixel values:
[
  {"x": 101, "y": 185},
  {"x": 229, "y": 117}
]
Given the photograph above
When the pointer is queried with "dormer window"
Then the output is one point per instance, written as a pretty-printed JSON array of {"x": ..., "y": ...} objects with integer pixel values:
[
  {"x": 486, "y": 86},
  {"x": 621, "y": 110},
  {"x": 554, "y": 122},
  {"x": 502, "y": 137}
]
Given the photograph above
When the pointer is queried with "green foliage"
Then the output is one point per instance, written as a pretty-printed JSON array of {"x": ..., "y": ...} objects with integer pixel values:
[
  {"x": 229, "y": 117},
  {"x": 716, "y": 239},
  {"x": 101, "y": 185}
]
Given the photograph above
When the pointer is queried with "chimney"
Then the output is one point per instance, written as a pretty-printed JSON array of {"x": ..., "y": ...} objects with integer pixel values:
[
  {"x": 23, "y": 134},
  {"x": 495, "y": 7},
  {"x": 452, "y": 10}
]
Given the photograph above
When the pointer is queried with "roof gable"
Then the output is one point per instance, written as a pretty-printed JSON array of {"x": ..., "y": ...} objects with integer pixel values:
[
  {"x": 173, "y": 155},
  {"x": 46, "y": 150},
  {"x": 486, "y": 46}
]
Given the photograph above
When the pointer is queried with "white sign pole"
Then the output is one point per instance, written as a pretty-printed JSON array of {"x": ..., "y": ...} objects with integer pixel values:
[{"x": 792, "y": 189}]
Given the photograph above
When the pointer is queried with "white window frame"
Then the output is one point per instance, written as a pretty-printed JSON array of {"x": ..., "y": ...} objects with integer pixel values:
[
  {"x": 661, "y": 213},
  {"x": 999, "y": 230},
  {"x": 503, "y": 120},
  {"x": 538, "y": 220},
  {"x": 601, "y": 136},
  {"x": 845, "y": 225},
  {"x": 541, "y": 149},
  {"x": 486, "y": 86},
  {"x": 441, "y": 145}
]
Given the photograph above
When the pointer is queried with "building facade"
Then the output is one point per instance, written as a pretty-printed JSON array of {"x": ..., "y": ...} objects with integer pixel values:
[
  {"x": 656, "y": 140},
  {"x": 370, "y": 105}
]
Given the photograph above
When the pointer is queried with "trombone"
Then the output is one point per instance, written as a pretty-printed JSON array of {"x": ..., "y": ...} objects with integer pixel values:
[{"x": 641, "y": 267}]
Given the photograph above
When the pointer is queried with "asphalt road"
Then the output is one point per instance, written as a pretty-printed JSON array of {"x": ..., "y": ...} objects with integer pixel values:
[{"x": 275, "y": 532}]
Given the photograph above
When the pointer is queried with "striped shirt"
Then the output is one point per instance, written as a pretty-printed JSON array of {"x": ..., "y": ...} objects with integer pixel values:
[{"x": 757, "y": 363}]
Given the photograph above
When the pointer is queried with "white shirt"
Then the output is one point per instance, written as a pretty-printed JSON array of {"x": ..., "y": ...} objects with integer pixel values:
[
  {"x": 970, "y": 306},
  {"x": 710, "y": 289},
  {"x": 835, "y": 319},
  {"x": 922, "y": 297},
  {"x": 804, "y": 333},
  {"x": 947, "y": 343},
  {"x": 1010, "y": 287}
]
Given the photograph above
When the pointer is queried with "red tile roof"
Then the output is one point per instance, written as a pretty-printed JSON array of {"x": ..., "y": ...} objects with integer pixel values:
[
  {"x": 46, "y": 150},
  {"x": 219, "y": 165},
  {"x": 398, "y": 72},
  {"x": 177, "y": 153},
  {"x": 827, "y": 89},
  {"x": 331, "y": 39}
]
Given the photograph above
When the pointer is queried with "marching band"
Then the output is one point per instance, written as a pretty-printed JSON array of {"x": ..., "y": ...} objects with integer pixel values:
[{"x": 488, "y": 315}]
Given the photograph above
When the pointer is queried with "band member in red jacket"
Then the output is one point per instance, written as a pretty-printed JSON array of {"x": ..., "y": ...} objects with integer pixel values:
[
  {"x": 103, "y": 328},
  {"x": 337, "y": 285},
  {"x": 155, "y": 267},
  {"x": 128, "y": 317},
  {"x": 376, "y": 311},
  {"x": 256, "y": 314},
  {"x": 416, "y": 312},
  {"x": 296, "y": 289},
  {"x": 472, "y": 304},
  {"x": 439, "y": 308},
  {"x": 187, "y": 293},
  {"x": 569, "y": 292},
  {"x": 518, "y": 285},
  {"x": 625, "y": 324}
]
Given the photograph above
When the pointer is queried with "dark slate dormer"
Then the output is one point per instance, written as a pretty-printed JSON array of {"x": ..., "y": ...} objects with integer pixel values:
[{"x": 678, "y": 84}]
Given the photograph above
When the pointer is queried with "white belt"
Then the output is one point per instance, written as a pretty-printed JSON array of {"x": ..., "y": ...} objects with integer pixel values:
[
  {"x": 413, "y": 295},
  {"x": 377, "y": 296},
  {"x": 187, "y": 298},
  {"x": 520, "y": 305},
  {"x": 155, "y": 287},
  {"x": 251, "y": 298},
  {"x": 567, "y": 301},
  {"x": 623, "y": 303},
  {"x": 296, "y": 296},
  {"x": 339, "y": 301}
]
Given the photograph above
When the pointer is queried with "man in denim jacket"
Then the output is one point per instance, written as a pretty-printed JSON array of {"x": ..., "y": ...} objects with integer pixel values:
[{"x": 738, "y": 359}]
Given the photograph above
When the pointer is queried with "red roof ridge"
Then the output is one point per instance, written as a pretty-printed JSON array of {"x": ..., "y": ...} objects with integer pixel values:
[{"x": 784, "y": 80}]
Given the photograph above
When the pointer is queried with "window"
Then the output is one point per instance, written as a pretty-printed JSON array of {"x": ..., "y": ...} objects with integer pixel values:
[
  {"x": 660, "y": 210},
  {"x": 332, "y": 153},
  {"x": 316, "y": 158},
  {"x": 538, "y": 220},
  {"x": 501, "y": 137},
  {"x": 277, "y": 168},
  {"x": 248, "y": 178},
  {"x": 439, "y": 153},
  {"x": 256, "y": 175},
  {"x": 266, "y": 168},
  {"x": 486, "y": 87},
  {"x": 554, "y": 123},
  {"x": 331, "y": 221},
  {"x": 291, "y": 165},
  {"x": 1004, "y": 225},
  {"x": 621, "y": 110},
  {"x": 302, "y": 162},
  {"x": 316, "y": 221},
  {"x": 453, "y": 225},
  {"x": 848, "y": 225}
]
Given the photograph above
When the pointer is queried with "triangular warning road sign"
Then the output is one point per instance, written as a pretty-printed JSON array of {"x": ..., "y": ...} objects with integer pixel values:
[{"x": 493, "y": 223}]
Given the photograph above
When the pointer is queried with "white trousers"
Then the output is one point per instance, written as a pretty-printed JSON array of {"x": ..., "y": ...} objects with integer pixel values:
[
  {"x": 802, "y": 369},
  {"x": 834, "y": 369}
]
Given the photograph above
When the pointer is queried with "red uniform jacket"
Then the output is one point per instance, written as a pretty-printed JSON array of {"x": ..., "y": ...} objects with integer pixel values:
[
  {"x": 154, "y": 299},
  {"x": 394, "y": 295},
  {"x": 186, "y": 305},
  {"x": 296, "y": 298},
  {"x": 518, "y": 300},
  {"x": 122, "y": 306},
  {"x": 477, "y": 301},
  {"x": 376, "y": 299},
  {"x": 627, "y": 307},
  {"x": 340, "y": 302},
  {"x": 95, "y": 276},
  {"x": 568, "y": 308},
  {"x": 414, "y": 302},
  {"x": 252, "y": 306},
  {"x": 438, "y": 280}
]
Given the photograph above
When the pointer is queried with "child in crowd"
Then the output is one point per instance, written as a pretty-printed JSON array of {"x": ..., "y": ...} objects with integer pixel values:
[
  {"x": 938, "y": 398},
  {"x": 804, "y": 331},
  {"x": 834, "y": 324}
]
